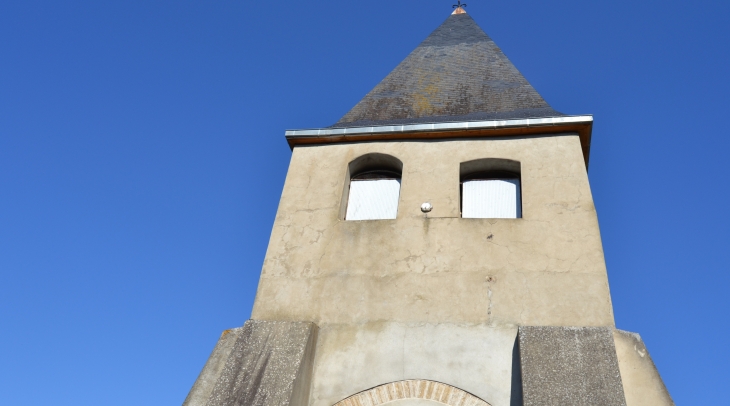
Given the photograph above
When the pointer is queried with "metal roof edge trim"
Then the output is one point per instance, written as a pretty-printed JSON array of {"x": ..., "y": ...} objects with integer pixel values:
[{"x": 461, "y": 125}]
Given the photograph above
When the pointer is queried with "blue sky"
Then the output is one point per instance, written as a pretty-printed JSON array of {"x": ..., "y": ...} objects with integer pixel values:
[{"x": 142, "y": 157}]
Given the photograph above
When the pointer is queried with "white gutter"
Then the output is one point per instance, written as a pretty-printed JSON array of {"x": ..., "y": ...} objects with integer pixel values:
[{"x": 463, "y": 125}]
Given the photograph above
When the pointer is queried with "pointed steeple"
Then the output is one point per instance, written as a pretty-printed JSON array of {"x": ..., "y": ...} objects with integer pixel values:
[{"x": 456, "y": 74}]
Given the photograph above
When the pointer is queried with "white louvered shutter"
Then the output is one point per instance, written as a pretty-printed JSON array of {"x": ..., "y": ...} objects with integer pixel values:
[
  {"x": 495, "y": 199},
  {"x": 373, "y": 199}
]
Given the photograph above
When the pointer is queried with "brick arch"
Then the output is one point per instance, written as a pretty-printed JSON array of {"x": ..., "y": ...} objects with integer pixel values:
[{"x": 413, "y": 389}]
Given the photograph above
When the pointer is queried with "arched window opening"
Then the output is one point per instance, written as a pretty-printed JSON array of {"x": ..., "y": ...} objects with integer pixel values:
[
  {"x": 373, "y": 188},
  {"x": 490, "y": 188}
]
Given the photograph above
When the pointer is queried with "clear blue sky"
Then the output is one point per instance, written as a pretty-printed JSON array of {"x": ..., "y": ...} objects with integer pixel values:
[{"x": 142, "y": 157}]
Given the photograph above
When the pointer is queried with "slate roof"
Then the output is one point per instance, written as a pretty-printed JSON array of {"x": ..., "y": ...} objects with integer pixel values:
[{"x": 456, "y": 74}]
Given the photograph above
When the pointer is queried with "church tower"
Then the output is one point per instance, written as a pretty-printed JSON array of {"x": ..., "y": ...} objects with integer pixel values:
[{"x": 438, "y": 245}]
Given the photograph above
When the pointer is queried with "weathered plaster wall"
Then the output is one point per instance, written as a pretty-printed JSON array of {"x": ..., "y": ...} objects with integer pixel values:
[
  {"x": 642, "y": 383},
  {"x": 413, "y": 402},
  {"x": 475, "y": 358},
  {"x": 433, "y": 297},
  {"x": 546, "y": 268}
]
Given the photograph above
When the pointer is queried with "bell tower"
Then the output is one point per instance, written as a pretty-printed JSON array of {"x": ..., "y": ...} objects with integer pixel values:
[{"x": 438, "y": 245}]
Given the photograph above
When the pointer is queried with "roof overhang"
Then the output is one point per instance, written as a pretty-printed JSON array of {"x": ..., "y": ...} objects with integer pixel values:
[{"x": 582, "y": 125}]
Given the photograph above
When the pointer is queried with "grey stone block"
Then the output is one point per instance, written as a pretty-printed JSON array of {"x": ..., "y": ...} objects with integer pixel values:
[
  {"x": 269, "y": 364},
  {"x": 569, "y": 366},
  {"x": 207, "y": 379}
]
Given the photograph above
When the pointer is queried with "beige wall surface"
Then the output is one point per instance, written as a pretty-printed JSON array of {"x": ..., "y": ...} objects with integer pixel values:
[
  {"x": 546, "y": 268},
  {"x": 641, "y": 380},
  {"x": 352, "y": 358},
  {"x": 413, "y": 402}
]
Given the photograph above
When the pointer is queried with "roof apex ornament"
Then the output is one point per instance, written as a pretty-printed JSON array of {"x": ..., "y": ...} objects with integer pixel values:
[{"x": 459, "y": 8}]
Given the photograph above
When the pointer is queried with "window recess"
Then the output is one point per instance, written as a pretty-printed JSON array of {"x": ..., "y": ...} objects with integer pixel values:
[
  {"x": 374, "y": 196},
  {"x": 373, "y": 190},
  {"x": 491, "y": 193}
]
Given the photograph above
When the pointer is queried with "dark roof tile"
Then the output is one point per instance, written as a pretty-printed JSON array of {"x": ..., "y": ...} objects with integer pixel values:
[{"x": 457, "y": 74}]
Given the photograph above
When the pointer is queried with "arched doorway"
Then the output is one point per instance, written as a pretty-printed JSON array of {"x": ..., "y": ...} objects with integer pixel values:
[{"x": 410, "y": 392}]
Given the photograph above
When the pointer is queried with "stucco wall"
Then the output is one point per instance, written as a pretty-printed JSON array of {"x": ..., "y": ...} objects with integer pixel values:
[
  {"x": 353, "y": 358},
  {"x": 546, "y": 268},
  {"x": 642, "y": 383}
]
